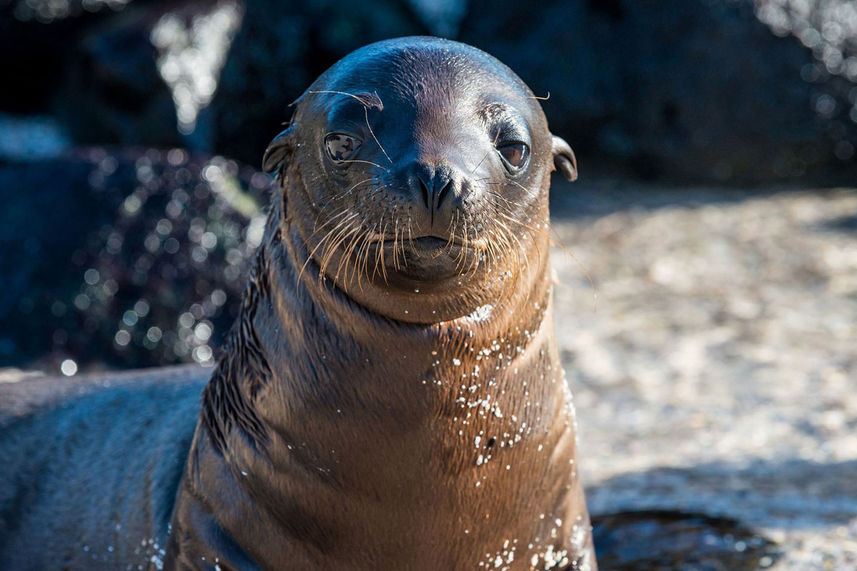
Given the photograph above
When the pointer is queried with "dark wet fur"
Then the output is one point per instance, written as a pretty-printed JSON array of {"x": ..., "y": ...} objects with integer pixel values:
[
  {"x": 79, "y": 457},
  {"x": 224, "y": 403}
]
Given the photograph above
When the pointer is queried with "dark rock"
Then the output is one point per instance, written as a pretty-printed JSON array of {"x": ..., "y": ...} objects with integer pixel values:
[
  {"x": 698, "y": 89},
  {"x": 112, "y": 93},
  {"x": 34, "y": 41},
  {"x": 90, "y": 63},
  {"x": 123, "y": 259}
]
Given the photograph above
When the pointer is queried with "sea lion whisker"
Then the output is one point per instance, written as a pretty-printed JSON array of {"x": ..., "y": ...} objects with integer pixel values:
[
  {"x": 367, "y": 260},
  {"x": 346, "y": 257},
  {"x": 508, "y": 237},
  {"x": 405, "y": 229},
  {"x": 359, "y": 257},
  {"x": 462, "y": 255},
  {"x": 344, "y": 231},
  {"x": 379, "y": 253},
  {"x": 485, "y": 156},
  {"x": 362, "y": 264},
  {"x": 363, "y": 98},
  {"x": 399, "y": 232},
  {"x": 322, "y": 240},
  {"x": 347, "y": 192},
  {"x": 527, "y": 228},
  {"x": 371, "y": 132},
  {"x": 329, "y": 218},
  {"x": 545, "y": 98},
  {"x": 499, "y": 196},
  {"x": 322, "y": 244},
  {"x": 558, "y": 244},
  {"x": 395, "y": 241},
  {"x": 529, "y": 191},
  {"x": 385, "y": 169},
  {"x": 453, "y": 223},
  {"x": 332, "y": 219}
]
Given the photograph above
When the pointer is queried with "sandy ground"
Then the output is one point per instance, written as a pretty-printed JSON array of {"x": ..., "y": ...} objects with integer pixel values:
[{"x": 715, "y": 370}]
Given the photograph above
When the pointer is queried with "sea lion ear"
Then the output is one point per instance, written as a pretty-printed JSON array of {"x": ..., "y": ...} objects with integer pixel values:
[
  {"x": 278, "y": 151},
  {"x": 563, "y": 158}
]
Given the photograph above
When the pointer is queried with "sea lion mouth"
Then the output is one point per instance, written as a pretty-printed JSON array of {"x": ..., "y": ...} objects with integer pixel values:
[
  {"x": 426, "y": 259},
  {"x": 427, "y": 243}
]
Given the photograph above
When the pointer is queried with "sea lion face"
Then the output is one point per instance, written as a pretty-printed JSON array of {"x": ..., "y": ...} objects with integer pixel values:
[{"x": 425, "y": 167}]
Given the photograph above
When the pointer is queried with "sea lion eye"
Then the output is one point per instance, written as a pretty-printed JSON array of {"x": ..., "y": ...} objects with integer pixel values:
[
  {"x": 514, "y": 154},
  {"x": 341, "y": 147}
]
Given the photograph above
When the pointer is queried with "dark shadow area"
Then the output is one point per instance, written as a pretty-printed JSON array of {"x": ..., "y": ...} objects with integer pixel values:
[
  {"x": 668, "y": 540},
  {"x": 597, "y": 196},
  {"x": 790, "y": 494},
  {"x": 707, "y": 516},
  {"x": 842, "y": 224}
]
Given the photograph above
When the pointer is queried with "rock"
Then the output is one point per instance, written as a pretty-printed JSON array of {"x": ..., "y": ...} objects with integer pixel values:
[
  {"x": 126, "y": 259},
  {"x": 696, "y": 90},
  {"x": 92, "y": 65},
  {"x": 112, "y": 93},
  {"x": 34, "y": 39}
]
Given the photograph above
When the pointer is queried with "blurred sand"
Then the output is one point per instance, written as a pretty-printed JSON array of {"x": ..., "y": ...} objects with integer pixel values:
[{"x": 717, "y": 370}]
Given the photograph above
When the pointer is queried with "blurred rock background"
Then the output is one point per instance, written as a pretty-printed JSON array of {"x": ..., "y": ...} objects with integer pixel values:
[{"x": 716, "y": 216}]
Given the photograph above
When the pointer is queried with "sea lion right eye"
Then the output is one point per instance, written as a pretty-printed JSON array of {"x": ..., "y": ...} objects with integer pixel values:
[
  {"x": 341, "y": 147},
  {"x": 514, "y": 154}
]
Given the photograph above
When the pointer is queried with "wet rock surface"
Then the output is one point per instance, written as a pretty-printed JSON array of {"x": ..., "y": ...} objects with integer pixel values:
[{"x": 715, "y": 371}]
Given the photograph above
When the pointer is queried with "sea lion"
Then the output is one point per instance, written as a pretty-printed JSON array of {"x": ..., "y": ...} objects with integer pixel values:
[{"x": 391, "y": 396}]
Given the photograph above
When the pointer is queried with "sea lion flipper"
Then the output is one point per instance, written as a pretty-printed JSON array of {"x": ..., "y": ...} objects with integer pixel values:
[
  {"x": 278, "y": 150},
  {"x": 564, "y": 159}
]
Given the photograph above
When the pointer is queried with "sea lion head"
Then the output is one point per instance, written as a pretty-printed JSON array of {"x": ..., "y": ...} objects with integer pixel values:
[{"x": 416, "y": 172}]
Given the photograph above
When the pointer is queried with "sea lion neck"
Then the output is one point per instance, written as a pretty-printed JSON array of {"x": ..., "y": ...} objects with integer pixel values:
[
  {"x": 318, "y": 403},
  {"x": 290, "y": 314}
]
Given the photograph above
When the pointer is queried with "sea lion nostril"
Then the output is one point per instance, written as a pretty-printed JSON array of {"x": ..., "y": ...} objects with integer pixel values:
[
  {"x": 426, "y": 194},
  {"x": 435, "y": 185},
  {"x": 444, "y": 191}
]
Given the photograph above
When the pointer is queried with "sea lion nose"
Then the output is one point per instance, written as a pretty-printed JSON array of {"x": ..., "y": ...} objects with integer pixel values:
[{"x": 437, "y": 190}]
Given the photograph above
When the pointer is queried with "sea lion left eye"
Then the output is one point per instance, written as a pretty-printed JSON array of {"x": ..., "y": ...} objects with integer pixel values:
[
  {"x": 341, "y": 147},
  {"x": 514, "y": 154}
]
